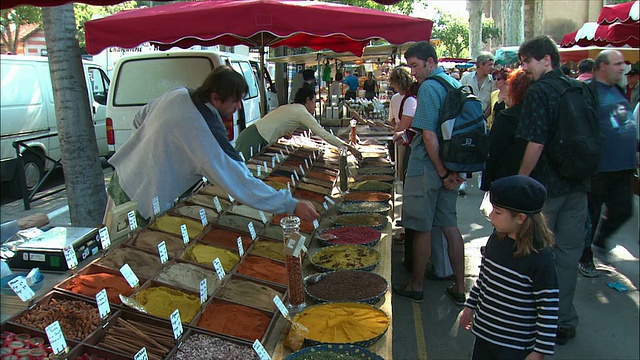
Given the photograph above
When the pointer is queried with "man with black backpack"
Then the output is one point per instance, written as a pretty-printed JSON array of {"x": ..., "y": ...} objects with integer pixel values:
[{"x": 561, "y": 127}]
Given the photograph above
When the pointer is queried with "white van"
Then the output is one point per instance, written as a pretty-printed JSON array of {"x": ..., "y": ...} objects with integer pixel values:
[
  {"x": 27, "y": 111},
  {"x": 140, "y": 78}
]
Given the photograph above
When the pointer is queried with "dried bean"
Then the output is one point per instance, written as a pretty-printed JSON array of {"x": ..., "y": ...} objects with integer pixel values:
[
  {"x": 348, "y": 285},
  {"x": 294, "y": 280},
  {"x": 200, "y": 346}
]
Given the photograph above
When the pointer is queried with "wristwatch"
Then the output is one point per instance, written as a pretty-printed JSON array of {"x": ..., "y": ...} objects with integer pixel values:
[{"x": 445, "y": 175}]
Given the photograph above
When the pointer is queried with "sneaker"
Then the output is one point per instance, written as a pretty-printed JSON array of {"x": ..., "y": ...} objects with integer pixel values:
[
  {"x": 458, "y": 297},
  {"x": 588, "y": 269},
  {"x": 462, "y": 190},
  {"x": 415, "y": 296},
  {"x": 564, "y": 334}
]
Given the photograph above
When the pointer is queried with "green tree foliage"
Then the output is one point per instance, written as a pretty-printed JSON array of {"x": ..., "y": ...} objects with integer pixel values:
[
  {"x": 84, "y": 13},
  {"x": 12, "y": 19},
  {"x": 453, "y": 34},
  {"x": 403, "y": 7}
]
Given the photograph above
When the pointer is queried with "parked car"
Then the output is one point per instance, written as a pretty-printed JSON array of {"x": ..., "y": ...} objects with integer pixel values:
[
  {"x": 27, "y": 111},
  {"x": 140, "y": 78}
]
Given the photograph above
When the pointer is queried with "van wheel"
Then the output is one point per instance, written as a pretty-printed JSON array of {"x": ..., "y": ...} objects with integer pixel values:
[{"x": 33, "y": 171}]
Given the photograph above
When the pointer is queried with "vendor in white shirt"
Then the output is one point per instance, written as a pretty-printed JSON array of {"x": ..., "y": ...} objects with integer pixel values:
[
  {"x": 283, "y": 120},
  {"x": 481, "y": 81},
  {"x": 180, "y": 137}
]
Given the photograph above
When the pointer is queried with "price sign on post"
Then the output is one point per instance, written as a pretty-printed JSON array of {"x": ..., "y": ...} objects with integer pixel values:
[
  {"x": 162, "y": 250},
  {"x": 105, "y": 240},
  {"x": 288, "y": 187},
  {"x": 203, "y": 217},
  {"x": 203, "y": 291},
  {"x": 273, "y": 162},
  {"x": 266, "y": 169},
  {"x": 231, "y": 199},
  {"x": 70, "y": 257},
  {"x": 133, "y": 223},
  {"x": 156, "y": 206},
  {"x": 204, "y": 180},
  {"x": 217, "y": 265},
  {"x": 260, "y": 350},
  {"x": 329, "y": 200},
  {"x": 251, "y": 152},
  {"x": 216, "y": 203},
  {"x": 282, "y": 154},
  {"x": 301, "y": 170},
  {"x": 262, "y": 216},
  {"x": 19, "y": 286},
  {"x": 325, "y": 205},
  {"x": 185, "y": 233},
  {"x": 316, "y": 224},
  {"x": 280, "y": 305},
  {"x": 129, "y": 275},
  {"x": 103, "y": 303},
  {"x": 176, "y": 324},
  {"x": 259, "y": 170},
  {"x": 252, "y": 231},
  {"x": 56, "y": 337},
  {"x": 306, "y": 164},
  {"x": 287, "y": 148},
  {"x": 295, "y": 172},
  {"x": 141, "y": 355},
  {"x": 293, "y": 180},
  {"x": 242, "y": 156},
  {"x": 240, "y": 246}
]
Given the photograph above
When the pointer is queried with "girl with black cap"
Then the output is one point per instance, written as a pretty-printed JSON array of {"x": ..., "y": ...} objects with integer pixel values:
[{"x": 514, "y": 303}]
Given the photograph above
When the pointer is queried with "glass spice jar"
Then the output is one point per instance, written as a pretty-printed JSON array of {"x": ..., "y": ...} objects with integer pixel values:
[
  {"x": 352, "y": 137},
  {"x": 291, "y": 225}
]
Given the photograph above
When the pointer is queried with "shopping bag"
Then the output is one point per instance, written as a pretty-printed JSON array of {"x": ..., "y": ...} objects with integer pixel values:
[{"x": 485, "y": 206}]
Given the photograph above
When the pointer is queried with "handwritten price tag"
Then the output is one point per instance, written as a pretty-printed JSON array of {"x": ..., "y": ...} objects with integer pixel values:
[
  {"x": 287, "y": 148},
  {"x": 216, "y": 203},
  {"x": 252, "y": 231},
  {"x": 176, "y": 324},
  {"x": 251, "y": 152},
  {"x": 105, "y": 240},
  {"x": 266, "y": 169},
  {"x": 56, "y": 337},
  {"x": 306, "y": 164},
  {"x": 325, "y": 205},
  {"x": 242, "y": 156},
  {"x": 293, "y": 180},
  {"x": 280, "y": 305},
  {"x": 203, "y": 291},
  {"x": 217, "y": 265},
  {"x": 301, "y": 169},
  {"x": 289, "y": 187},
  {"x": 129, "y": 275},
  {"x": 185, "y": 233},
  {"x": 329, "y": 200},
  {"x": 20, "y": 287},
  {"x": 262, "y": 217},
  {"x": 273, "y": 162},
  {"x": 133, "y": 223},
  {"x": 204, "y": 180},
  {"x": 240, "y": 246},
  {"x": 156, "y": 206},
  {"x": 231, "y": 199},
  {"x": 70, "y": 257},
  {"x": 141, "y": 355},
  {"x": 103, "y": 303},
  {"x": 162, "y": 250},
  {"x": 282, "y": 154},
  {"x": 259, "y": 170},
  {"x": 260, "y": 350},
  {"x": 316, "y": 224},
  {"x": 203, "y": 217}
]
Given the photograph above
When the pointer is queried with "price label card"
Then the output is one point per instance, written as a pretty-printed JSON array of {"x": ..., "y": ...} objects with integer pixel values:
[
  {"x": 176, "y": 324},
  {"x": 185, "y": 233},
  {"x": 301, "y": 169},
  {"x": 251, "y": 152},
  {"x": 294, "y": 245},
  {"x": 293, "y": 180},
  {"x": 260, "y": 350},
  {"x": 266, "y": 169},
  {"x": 289, "y": 187},
  {"x": 259, "y": 170},
  {"x": 141, "y": 355},
  {"x": 156, "y": 206},
  {"x": 252, "y": 231},
  {"x": 325, "y": 205},
  {"x": 231, "y": 199},
  {"x": 295, "y": 172},
  {"x": 287, "y": 148},
  {"x": 203, "y": 217},
  {"x": 103, "y": 303},
  {"x": 329, "y": 200},
  {"x": 282, "y": 154},
  {"x": 56, "y": 337},
  {"x": 216, "y": 203},
  {"x": 280, "y": 305},
  {"x": 217, "y": 265},
  {"x": 263, "y": 217},
  {"x": 105, "y": 240},
  {"x": 242, "y": 156},
  {"x": 70, "y": 257},
  {"x": 133, "y": 223},
  {"x": 129, "y": 275},
  {"x": 273, "y": 162},
  {"x": 316, "y": 224},
  {"x": 19, "y": 286},
  {"x": 204, "y": 180},
  {"x": 162, "y": 250},
  {"x": 240, "y": 246},
  {"x": 203, "y": 291},
  {"x": 306, "y": 164},
  {"x": 331, "y": 131}
]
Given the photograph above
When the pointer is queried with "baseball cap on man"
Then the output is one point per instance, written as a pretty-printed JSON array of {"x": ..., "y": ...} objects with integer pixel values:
[{"x": 633, "y": 72}]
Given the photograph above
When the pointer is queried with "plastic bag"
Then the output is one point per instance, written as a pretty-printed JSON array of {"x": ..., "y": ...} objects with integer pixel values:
[{"x": 295, "y": 337}]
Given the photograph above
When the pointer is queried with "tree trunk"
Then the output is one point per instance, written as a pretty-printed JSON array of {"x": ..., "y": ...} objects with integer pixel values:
[
  {"x": 81, "y": 163},
  {"x": 514, "y": 28},
  {"x": 475, "y": 27}
]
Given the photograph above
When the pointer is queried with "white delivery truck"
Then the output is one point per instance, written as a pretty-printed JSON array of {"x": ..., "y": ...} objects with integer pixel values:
[
  {"x": 140, "y": 78},
  {"x": 27, "y": 111}
]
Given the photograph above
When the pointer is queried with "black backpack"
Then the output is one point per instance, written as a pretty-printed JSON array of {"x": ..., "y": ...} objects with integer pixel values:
[
  {"x": 462, "y": 130},
  {"x": 575, "y": 144}
]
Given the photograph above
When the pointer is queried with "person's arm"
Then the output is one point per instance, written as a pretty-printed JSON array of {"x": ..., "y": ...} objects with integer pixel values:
[
  {"x": 310, "y": 122},
  {"x": 530, "y": 159},
  {"x": 450, "y": 179}
]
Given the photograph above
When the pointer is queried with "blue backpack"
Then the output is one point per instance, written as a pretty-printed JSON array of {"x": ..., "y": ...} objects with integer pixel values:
[{"x": 462, "y": 130}]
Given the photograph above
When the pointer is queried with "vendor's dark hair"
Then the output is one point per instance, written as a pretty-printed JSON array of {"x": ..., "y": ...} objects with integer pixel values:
[
  {"x": 303, "y": 94},
  {"x": 538, "y": 47},
  {"x": 423, "y": 50},
  {"x": 225, "y": 82},
  {"x": 308, "y": 74}
]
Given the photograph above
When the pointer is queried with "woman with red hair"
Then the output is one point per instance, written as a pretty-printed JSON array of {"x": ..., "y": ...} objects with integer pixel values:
[{"x": 505, "y": 150}]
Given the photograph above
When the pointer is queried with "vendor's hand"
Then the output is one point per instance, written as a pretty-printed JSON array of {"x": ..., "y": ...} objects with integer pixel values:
[
  {"x": 466, "y": 318},
  {"x": 306, "y": 211},
  {"x": 397, "y": 136}
]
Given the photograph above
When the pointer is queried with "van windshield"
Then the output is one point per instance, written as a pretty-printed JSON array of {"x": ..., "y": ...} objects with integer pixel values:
[{"x": 142, "y": 80}]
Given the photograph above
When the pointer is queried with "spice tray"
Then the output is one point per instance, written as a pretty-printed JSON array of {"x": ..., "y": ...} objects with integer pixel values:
[
  {"x": 370, "y": 185},
  {"x": 78, "y": 320},
  {"x": 354, "y": 350},
  {"x": 35, "y": 337},
  {"x": 211, "y": 213},
  {"x": 188, "y": 282},
  {"x": 175, "y": 229},
  {"x": 239, "y": 222},
  {"x": 93, "y": 269},
  {"x": 144, "y": 264},
  {"x": 126, "y": 332},
  {"x": 253, "y": 267},
  {"x": 268, "y": 249},
  {"x": 211, "y": 256},
  {"x": 83, "y": 351},
  {"x": 363, "y": 207},
  {"x": 162, "y": 308},
  {"x": 315, "y": 278},
  {"x": 218, "y": 319},
  {"x": 196, "y": 344},
  {"x": 375, "y": 221},
  {"x": 376, "y": 170},
  {"x": 343, "y": 255},
  {"x": 226, "y": 238},
  {"x": 376, "y": 177},
  {"x": 225, "y": 293},
  {"x": 173, "y": 243},
  {"x": 366, "y": 233},
  {"x": 376, "y": 196}
]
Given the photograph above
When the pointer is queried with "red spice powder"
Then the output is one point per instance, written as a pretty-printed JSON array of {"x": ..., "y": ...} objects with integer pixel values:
[
  {"x": 90, "y": 285},
  {"x": 226, "y": 238},
  {"x": 236, "y": 320},
  {"x": 265, "y": 269}
]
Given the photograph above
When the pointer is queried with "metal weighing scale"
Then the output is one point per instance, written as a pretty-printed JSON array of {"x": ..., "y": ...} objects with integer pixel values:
[{"x": 45, "y": 251}]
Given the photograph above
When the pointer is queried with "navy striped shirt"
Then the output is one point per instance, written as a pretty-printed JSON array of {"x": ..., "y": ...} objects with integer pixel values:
[{"x": 516, "y": 298}]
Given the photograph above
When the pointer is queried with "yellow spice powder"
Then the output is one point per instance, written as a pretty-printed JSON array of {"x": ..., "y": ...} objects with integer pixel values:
[{"x": 161, "y": 301}]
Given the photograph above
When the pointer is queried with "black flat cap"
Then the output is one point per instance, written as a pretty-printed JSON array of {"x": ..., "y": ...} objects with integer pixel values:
[{"x": 518, "y": 193}]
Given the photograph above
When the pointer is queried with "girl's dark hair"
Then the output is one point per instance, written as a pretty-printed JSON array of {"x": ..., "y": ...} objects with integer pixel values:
[
  {"x": 532, "y": 236},
  {"x": 303, "y": 94},
  {"x": 225, "y": 82}
]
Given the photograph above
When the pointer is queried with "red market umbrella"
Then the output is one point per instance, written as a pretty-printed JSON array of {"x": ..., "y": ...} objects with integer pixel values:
[
  {"x": 620, "y": 13},
  {"x": 594, "y": 34},
  {"x": 255, "y": 23}
]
